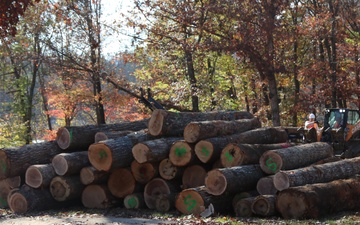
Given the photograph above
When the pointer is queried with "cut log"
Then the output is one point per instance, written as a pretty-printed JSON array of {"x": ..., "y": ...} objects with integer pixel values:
[
  {"x": 242, "y": 207},
  {"x": 66, "y": 188},
  {"x": 144, "y": 172},
  {"x": 98, "y": 196},
  {"x": 122, "y": 183},
  {"x": 6, "y": 187},
  {"x": 209, "y": 150},
  {"x": 165, "y": 202},
  {"x": 298, "y": 156},
  {"x": 90, "y": 175},
  {"x": 265, "y": 185},
  {"x": 194, "y": 176},
  {"x": 244, "y": 154},
  {"x": 40, "y": 175},
  {"x": 81, "y": 137},
  {"x": 134, "y": 201},
  {"x": 156, "y": 187},
  {"x": 153, "y": 150},
  {"x": 314, "y": 201},
  {"x": 233, "y": 180},
  {"x": 168, "y": 123},
  {"x": 182, "y": 153},
  {"x": 317, "y": 173},
  {"x": 28, "y": 199},
  {"x": 104, "y": 135},
  {"x": 242, "y": 195},
  {"x": 114, "y": 153},
  {"x": 70, "y": 163},
  {"x": 264, "y": 205},
  {"x": 195, "y": 200},
  {"x": 168, "y": 171},
  {"x": 15, "y": 161},
  {"x": 199, "y": 130}
]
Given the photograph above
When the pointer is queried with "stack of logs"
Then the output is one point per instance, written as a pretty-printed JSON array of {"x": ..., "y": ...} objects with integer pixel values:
[{"x": 196, "y": 163}]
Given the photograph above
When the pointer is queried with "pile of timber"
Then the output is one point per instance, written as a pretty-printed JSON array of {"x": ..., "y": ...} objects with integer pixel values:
[{"x": 192, "y": 162}]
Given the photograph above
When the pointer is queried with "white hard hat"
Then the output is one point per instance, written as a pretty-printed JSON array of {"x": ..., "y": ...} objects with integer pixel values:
[{"x": 311, "y": 116}]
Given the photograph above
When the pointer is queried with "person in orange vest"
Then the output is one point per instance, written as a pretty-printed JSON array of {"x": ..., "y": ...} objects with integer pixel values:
[{"x": 311, "y": 122}]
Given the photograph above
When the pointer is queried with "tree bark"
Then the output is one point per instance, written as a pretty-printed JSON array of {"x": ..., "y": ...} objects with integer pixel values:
[
  {"x": 199, "y": 130},
  {"x": 105, "y": 135},
  {"x": 66, "y": 188},
  {"x": 168, "y": 171},
  {"x": 265, "y": 185},
  {"x": 243, "y": 207},
  {"x": 298, "y": 156},
  {"x": 134, "y": 201},
  {"x": 90, "y": 175},
  {"x": 233, "y": 180},
  {"x": 314, "y": 201},
  {"x": 317, "y": 173},
  {"x": 168, "y": 123},
  {"x": 264, "y": 205},
  {"x": 81, "y": 137},
  {"x": 209, "y": 150},
  {"x": 153, "y": 150},
  {"x": 15, "y": 161},
  {"x": 98, "y": 196},
  {"x": 40, "y": 175},
  {"x": 122, "y": 183},
  {"x": 156, "y": 187},
  {"x": 193, "y": 176},
  {"x": 182, "y": 153},
  {"x": 195, "y": 200},
  {"x": 70, "y": 163},
  {"x": 144, "y": 172},
  {"x": 245, "y": 154}
]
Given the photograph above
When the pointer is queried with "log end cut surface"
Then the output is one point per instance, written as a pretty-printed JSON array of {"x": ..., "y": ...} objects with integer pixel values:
[
  {"x": 271, "y": 162},
  {"x": 180, "y": 153},
  {"x": 60, "y": 164},
  {"x": 63, "y": 138},
  {"x": 94, "y": 196},
  {"x": 281, "y": 181},
  {"x": 18, "y": 203},
  {"x": 204, "y": 151},
  {"x": 100, "y": 156},
  {"x": 191, "y": 132},
  {"x": 156, "y": 122},
  {"x": 140, "y": 152},
  {"x": 231, "y": 155},
  {"x": 215, "y": 182},
  {"x": 121, "y": 182},
  {"x": 291, "y": 206},
  {"x": 154, "y": 188},
  {"x": 59, "y": 189},
  {"x": 189, "y": 202},
  {"x": 167, "y": 169},
  {"x": 33, "y": 177}
]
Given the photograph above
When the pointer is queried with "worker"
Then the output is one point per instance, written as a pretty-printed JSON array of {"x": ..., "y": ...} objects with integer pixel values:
[
  {"x": 311, "y": 123},
  {"x": 338, "y": 121}
]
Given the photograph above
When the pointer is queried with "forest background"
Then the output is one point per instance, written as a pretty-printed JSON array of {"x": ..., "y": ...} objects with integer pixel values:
[{"x": 280, "y": 60}]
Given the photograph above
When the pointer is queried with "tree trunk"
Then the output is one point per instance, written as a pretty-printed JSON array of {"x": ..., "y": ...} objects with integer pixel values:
[
  {"x": 194, "y": 176},
  {"x": 199, "y": 130},
  {"x": 234, "y": 179},
  {"x": 122, "y": 183},
  {"x": 153, "y": 150},
  {"x": 182, "y": 153},
  {"x": 40, "y": 175},
  {"x": 134, "y": 201},
  {"x": 317, "y": 173},
  {"x": 114, "y": 153},
  {"x": 165, "y": 202},
  {"x": 195, "y": 200},
  {"x": 168, "y": 171},
  {"x": 318, "y": 200},
  {"x": 144, "y": 172},
  {"x": 90, "y": 175},
  {"x": 6, "y": 187},
  {"x": 66, "y": 188},
  {"x": 245, "y": 154},
  {"x": 98, "y": 196},
  {"x": 70, "y": 163},
  {"x": 298, "y": 156},
  {"x": 15, "y": 161},
  {"x": 209, "y": 150},
  {"x": 105, "y": 135},
  {"x": 265, "y": 185},
  {"x": 243, "y": 207},
  {"x": 80, "y": 137},
  {"x": 168, "y": 123},
  {"x": 264, "y": 205},
  {"x": 156, "y": 187}
]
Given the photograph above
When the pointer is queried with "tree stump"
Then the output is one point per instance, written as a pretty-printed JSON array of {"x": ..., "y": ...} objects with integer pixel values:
[
  {"x": 153, "y": 150},
  {"x": 90, "y": 175},
  {"x": 314, "y": 201},
  {"x": 37, "y": 176},
  {"x": 233, "y": 179},
  {"x": 122, "y": 183},
  {"x": 15, "y": 161},
  {"x": 264, "y": 205},
  {"x": 105, "y": 135},
  {"x": 168, "y": 123},
  {"x": 317, "y": 173},
  {"x": 168, "y": 171},
  {"x": 66, "y": 188},
  {"x": 144, "y": 172},
  {"x": 81, "y": 137},
  {"x": 194, "y": 176},
  {"x": 98, "y": 196},
  {"x": 199, "y": 130},
  {"x": 195, "y": 200},
  {"x": 134, "y": 201},
  {"x": 156, "y": 187},
  {"x": 298, "y": 156},
  {"x": 242, "y": 207},
  {"x": 182, "y": 153},
  {"x": 244, "y": 154},
  {"x": 70, "y": 163},
  {"x": 265, "y": 185}
]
